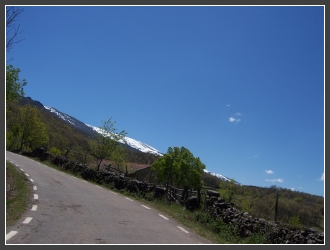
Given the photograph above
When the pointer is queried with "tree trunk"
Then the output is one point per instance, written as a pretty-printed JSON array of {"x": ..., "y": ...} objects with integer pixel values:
[{"x": 98, "y": 165}]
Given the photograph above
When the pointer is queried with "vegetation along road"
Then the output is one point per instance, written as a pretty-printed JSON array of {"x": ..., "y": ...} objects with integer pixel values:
[{"x": 69, "y": 210}]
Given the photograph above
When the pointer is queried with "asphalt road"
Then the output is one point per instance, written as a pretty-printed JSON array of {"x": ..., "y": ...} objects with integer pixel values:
[{"x": 68, "y": 210}]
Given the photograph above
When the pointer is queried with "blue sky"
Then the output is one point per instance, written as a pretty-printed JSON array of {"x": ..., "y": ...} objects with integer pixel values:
[{"x": 242, "y": 87}]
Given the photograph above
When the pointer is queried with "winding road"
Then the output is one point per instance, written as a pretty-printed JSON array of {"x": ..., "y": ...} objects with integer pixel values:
[{"x": 69, "y": 210}]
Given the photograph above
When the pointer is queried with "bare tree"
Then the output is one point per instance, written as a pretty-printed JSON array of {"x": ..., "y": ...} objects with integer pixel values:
[{"x": 12, "y": 29}]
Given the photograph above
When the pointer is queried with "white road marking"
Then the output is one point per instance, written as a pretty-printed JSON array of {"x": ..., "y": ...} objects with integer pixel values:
[
  {"x": 35, "y": 196},
  {"x": 163, "y": 217},
  {"x": 146, "y": 207},
  {"x": 27, "y": 174},
  {"x": 84, "y": 181},
  {"x": 183, "y": 230},
  {"x": 34, "y": 208},
  {"x": 10, "y": 234},
  {"x": 113, "y": 192},
  {"x": 128, "y": 199},
  {"x": 31, "y": 180},
  {"x": 27, "y": 220},
  {"x": 34, "y": 188},
  {"x": 21, "y": 169},
  {"x": 98, "y": 186}
]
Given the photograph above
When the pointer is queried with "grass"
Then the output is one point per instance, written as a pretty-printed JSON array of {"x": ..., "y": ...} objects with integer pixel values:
[
  {"x": 197, "y": 221},
  {"x": 18, "y": 194}
]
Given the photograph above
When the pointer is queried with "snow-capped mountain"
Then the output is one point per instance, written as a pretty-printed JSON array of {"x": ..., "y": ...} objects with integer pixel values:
[
  {"x": 92, "y": 129},
  {"x": 133, "y": 143},
  {"x": 221, "y": 177},
  {"x": 62, "y": 116}
]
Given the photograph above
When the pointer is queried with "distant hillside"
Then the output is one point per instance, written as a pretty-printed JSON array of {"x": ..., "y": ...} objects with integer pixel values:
[{"x": 62, "y": 135}]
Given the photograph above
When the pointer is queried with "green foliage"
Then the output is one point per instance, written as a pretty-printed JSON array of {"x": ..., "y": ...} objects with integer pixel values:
[
  {"x": 27, "y": 129},
  {"x": 213, "y": 224},
  {"x": 55, "y": 151},
  {"x": 295, "y": 221},
  {"x": 118, "y": 158},
  {"x": 260, "y": 202},
  {"x": 226, "y": 232},
  {"x": 247, "y": 205},
  {"x": 256, "y": 238},
  {"x": 180, "y": 167},
  {"x": 298, "y": 199},
  {"x": 14, "y": 87},
  {"x": 228, "y": 189},
  {"x": 203, "y": 217},
  {"x": 106, "y": 144},
  {"x": 12, "y": 136}
]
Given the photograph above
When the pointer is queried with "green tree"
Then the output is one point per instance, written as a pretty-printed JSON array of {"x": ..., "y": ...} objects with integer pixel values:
[
  {"x": 119, "y": 157},
  {"x": 179, "y": 167},
  {"x": 55, "y": 151},
  {"x": 295, "y": 220},
  {"x": 228, "y": 189},
  {"x": 14, "y": 87},
  {"x": 28, "y": 129},
  {"x": 107, "y": 142},
  {"x": 12, "y": 136}
]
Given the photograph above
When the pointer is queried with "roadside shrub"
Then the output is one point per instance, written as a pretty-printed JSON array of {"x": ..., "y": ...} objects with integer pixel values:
[
  {"x": 295, "y": 221},
  {"x": 55, "y": 151}
]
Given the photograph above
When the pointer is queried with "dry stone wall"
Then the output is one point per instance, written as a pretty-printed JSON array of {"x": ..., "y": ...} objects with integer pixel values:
[{"x": 245, "y": 224}]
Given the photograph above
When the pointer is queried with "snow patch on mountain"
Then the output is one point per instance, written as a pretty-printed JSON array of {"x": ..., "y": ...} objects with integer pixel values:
[
  {"x": 221, "y": 177},
  {"x": 61, "y": 115},
  {"x": 133, "y": 143},
  {"x": 129, "y": 141}
]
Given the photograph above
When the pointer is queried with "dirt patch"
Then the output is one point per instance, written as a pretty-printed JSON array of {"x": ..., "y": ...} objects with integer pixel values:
[{"x": 131, "y": 166}]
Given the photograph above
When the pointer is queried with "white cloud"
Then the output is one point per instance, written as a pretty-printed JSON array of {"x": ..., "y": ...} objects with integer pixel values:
[
  {"x": 235, "y": 118},
  {"x": 227, "y": 105},
  {"x": 275, "y": 180},
  {"x": 232, "y": 119},
  {"x": 292, "y": 189},
  {"x": 269, "y": 171},
  {"x": 322, "y": 177}
]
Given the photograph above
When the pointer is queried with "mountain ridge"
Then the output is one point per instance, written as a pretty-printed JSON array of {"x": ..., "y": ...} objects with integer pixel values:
[{"x": 92, "y": 130}]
